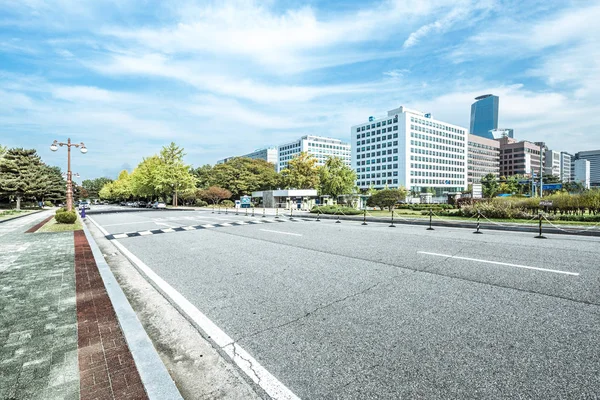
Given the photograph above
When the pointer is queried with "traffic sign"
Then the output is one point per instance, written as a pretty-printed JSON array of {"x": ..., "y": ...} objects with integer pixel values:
[{"x": 546, "y": 203}]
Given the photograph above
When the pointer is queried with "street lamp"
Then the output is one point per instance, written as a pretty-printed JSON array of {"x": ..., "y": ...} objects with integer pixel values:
[{"x": 54, "y": 146}]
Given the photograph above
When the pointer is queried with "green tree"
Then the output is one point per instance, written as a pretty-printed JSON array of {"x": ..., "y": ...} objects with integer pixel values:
[
  {"x": 93, "y": 186},
  {"x": 490, "y": 185},
  {"x": 243, "y": 175},
  {"x": 387, "y": 198},
  {"x": 121, "y": 189},
  {"x": 55, "y": 188},
  {"x": 145, "y": 177},
  {"x": 336, "y": 178},
  {"x": 2, "y": 150},
  {"x": 174, "y": 175},
  {"x": 302, "y": 173},
  {"x": 22, "y": 175},
  {"x": 203, "y": 176}
]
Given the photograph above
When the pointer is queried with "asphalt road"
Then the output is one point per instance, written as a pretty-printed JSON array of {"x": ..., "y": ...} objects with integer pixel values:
[{"x": 345, "y": 311}]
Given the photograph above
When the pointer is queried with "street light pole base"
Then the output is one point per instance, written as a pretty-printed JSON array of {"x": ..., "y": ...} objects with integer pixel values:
[
  {"x": 478, "y": 233},
  {"x": 430, "y": 229},
  {"x": 540, "y": 237}
]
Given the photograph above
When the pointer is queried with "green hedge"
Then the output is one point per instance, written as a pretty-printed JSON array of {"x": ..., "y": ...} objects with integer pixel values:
[
  {"x": 335, "y": 210},
  {"x": 201, "y": 203},
  {"x": 421, "y": 207},
  {"x": 65, "y": 217},
  {"x": 227, "y": 203}
]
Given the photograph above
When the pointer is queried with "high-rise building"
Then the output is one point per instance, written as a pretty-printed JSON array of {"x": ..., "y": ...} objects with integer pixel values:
[
  {"x": 519, "y": 158},
  {"x": 566, "y": 160},
  {"x": 411, "y": 149},
  {"x": 268, "y": 154},
  {"x": 582, "y": 172},
  {"x": 484, "y": 115},
  {"x": 484, "y": 158},
  {"x": 319, "y": 147},
  {"x": 552, "y": 163},
  {"x": 594, "y": 158}
]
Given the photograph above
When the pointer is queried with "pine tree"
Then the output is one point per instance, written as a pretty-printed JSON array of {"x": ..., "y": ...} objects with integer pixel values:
[{"x": 22, "y": 175}]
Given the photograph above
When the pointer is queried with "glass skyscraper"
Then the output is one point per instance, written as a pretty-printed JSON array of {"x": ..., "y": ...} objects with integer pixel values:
[{"x": 484, "y": 115}]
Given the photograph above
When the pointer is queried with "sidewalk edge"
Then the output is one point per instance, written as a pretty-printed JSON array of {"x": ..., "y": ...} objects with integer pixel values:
[
  {"x": 22, "y": 216},
  {"x": 156, "y": 379}
]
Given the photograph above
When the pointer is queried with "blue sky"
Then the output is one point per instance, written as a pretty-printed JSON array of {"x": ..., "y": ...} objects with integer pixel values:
[{"x": 226, "y": 77}]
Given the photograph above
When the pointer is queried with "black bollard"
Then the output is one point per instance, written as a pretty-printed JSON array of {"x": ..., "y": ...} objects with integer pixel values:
[
  {"x": 213, "y": 209},
  {"x": 291, "y": 214},
  {"x": 338, "y": 220},
  {"x": 219, "y": 210},
  {"x": 237, "y": 210},
  {"x": 318, "y": 215},
  {"x": 277, "y": 213},
  {"x": 253, "y": 211},
  {"x": 541, "y": 236},
  {"x": 264, "y": 213},
  {"x": 365, "y": 217},
  {"x": 392, "y": 224},
  {"x": 430, "y": 218},
  {"x": 246, "y": 212},
  {"x": 478, "y": 226},
  {"x": 225, "y": 210}
]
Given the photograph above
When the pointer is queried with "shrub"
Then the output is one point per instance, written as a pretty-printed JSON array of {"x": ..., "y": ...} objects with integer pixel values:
[
  {"x": 48, "y": 204},
  {"x": 227, "y": 203},
  {"x": 335, "y": 210},
  {"x": 201, "y": 203},
  {"x": 66, "y": 217}
]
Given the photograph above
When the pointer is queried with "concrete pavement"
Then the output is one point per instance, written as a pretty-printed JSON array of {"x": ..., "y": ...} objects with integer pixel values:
[{"x": 351, "y": 311}]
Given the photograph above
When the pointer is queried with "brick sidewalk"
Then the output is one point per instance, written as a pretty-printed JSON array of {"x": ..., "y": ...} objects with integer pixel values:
[
  {"x": 107, "y": 369},
  {"x": 59, "y": 335}
]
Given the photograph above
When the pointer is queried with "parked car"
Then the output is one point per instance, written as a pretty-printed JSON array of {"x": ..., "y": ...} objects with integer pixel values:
[
  {"x": 141, "y": 204},
  {"x": 122, "y": 203},
  {"x": 84, "y": 204},
  {"x": 149, "y": 205},
  {"x": 159, "y": 204}
]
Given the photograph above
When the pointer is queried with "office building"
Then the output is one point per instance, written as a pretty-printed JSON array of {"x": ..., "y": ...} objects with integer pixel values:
[
  {"x": 552, "y": 163},
  {"x": 268, "y": 154},
  {"x": 501, "y": 132},
  {"x": 519, "y": 158},
  {"x": 411, "y": 149},
  {"x": 319, "y": 147},
  {"x": 594, "y": 158},
  {"x": 566, "y": 160},
  {"x": 484, "y": 158},
  {"x": 582, "y": 172},
  {"x": 484, "y": 115}
]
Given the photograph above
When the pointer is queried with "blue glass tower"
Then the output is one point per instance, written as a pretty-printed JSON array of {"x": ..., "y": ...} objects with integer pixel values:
[{"x": 484, "y": 115}]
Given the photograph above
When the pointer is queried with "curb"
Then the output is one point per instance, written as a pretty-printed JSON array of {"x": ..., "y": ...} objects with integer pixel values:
[
  {"x": 131, "y": 211},
  {"x": 154, "y": 374},
  {"x": 21, "y": 216}
]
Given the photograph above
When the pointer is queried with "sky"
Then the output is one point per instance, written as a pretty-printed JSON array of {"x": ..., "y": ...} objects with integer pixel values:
[{"x": 224, "y": 78}]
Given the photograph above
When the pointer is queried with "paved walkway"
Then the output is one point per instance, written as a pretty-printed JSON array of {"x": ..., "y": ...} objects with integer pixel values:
[{"x": 41, "y": 307}]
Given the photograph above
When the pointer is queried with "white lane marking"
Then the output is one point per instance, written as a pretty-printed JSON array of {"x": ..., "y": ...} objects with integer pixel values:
[
  {"x": 283, "y": 233},
  {"x": 188, "y": 228},
  {"x": 167, "y": 230},
  {"x": 556, "y": 271},
  {"x": 248, "y": 364},
  {"x": 225, "y": 224},
  {"x": 131, "y": 223},
  {"x": 207, "y": 226},
  {"x": 145, "y": 233},
  {"x": 120, "y": 236}
]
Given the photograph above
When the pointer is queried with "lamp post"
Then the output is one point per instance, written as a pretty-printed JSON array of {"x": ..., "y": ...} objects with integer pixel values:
[{"x": 83, "y": 149}]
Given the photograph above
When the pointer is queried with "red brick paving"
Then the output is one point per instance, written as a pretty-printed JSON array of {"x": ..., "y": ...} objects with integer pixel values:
[
  {"x": 106, "y": 367},
  {"x": 38, "y": 226}
]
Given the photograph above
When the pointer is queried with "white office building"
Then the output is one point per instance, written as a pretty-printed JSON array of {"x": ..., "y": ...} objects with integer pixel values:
[
  {"x": 552, "y": 163},
  {"x": 411, "y": 149},
  {"x": 593, "y": 157},
  {"x": 582, "y": 172},
  {"x": 268, "y": 154},
  {"x": 320, "y": 147},
  {"x": 566, "y": 160}
]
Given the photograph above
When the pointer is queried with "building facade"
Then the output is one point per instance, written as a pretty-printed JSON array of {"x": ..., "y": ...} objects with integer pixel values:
[
  {"x": 552, "y": 164},
  {"x": 268, "y": 154},
  {"x": 594, "y": 158},
  {"x": 484, "y": 115},
  {"x": 582, "y": 172},
  {"x": 319, "y": 147},
  {"x": 566, "y": 160},
  {"x": 484, "y": 158},
  {"x": 411, "y": 149},
  {"x": 519, "y": 158}
]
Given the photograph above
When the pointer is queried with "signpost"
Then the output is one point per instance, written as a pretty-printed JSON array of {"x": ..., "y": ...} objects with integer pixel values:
[
  {"x": 546, "y": 203},
  {"x": 245, "y": 201},
  {"x": 477, "y": 191}
]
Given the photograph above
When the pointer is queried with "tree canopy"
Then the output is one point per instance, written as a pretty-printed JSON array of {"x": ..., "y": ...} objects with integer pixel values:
[
  {"x": 387, "y": 198},
  {"x": 302, "y": 173},
  {"x": 336, "y": 178}
]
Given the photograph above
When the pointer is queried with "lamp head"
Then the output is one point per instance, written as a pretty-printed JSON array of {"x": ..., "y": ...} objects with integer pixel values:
[
  {"x": 84, "y": 149},
  {"x": 53, "y": 147}
]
